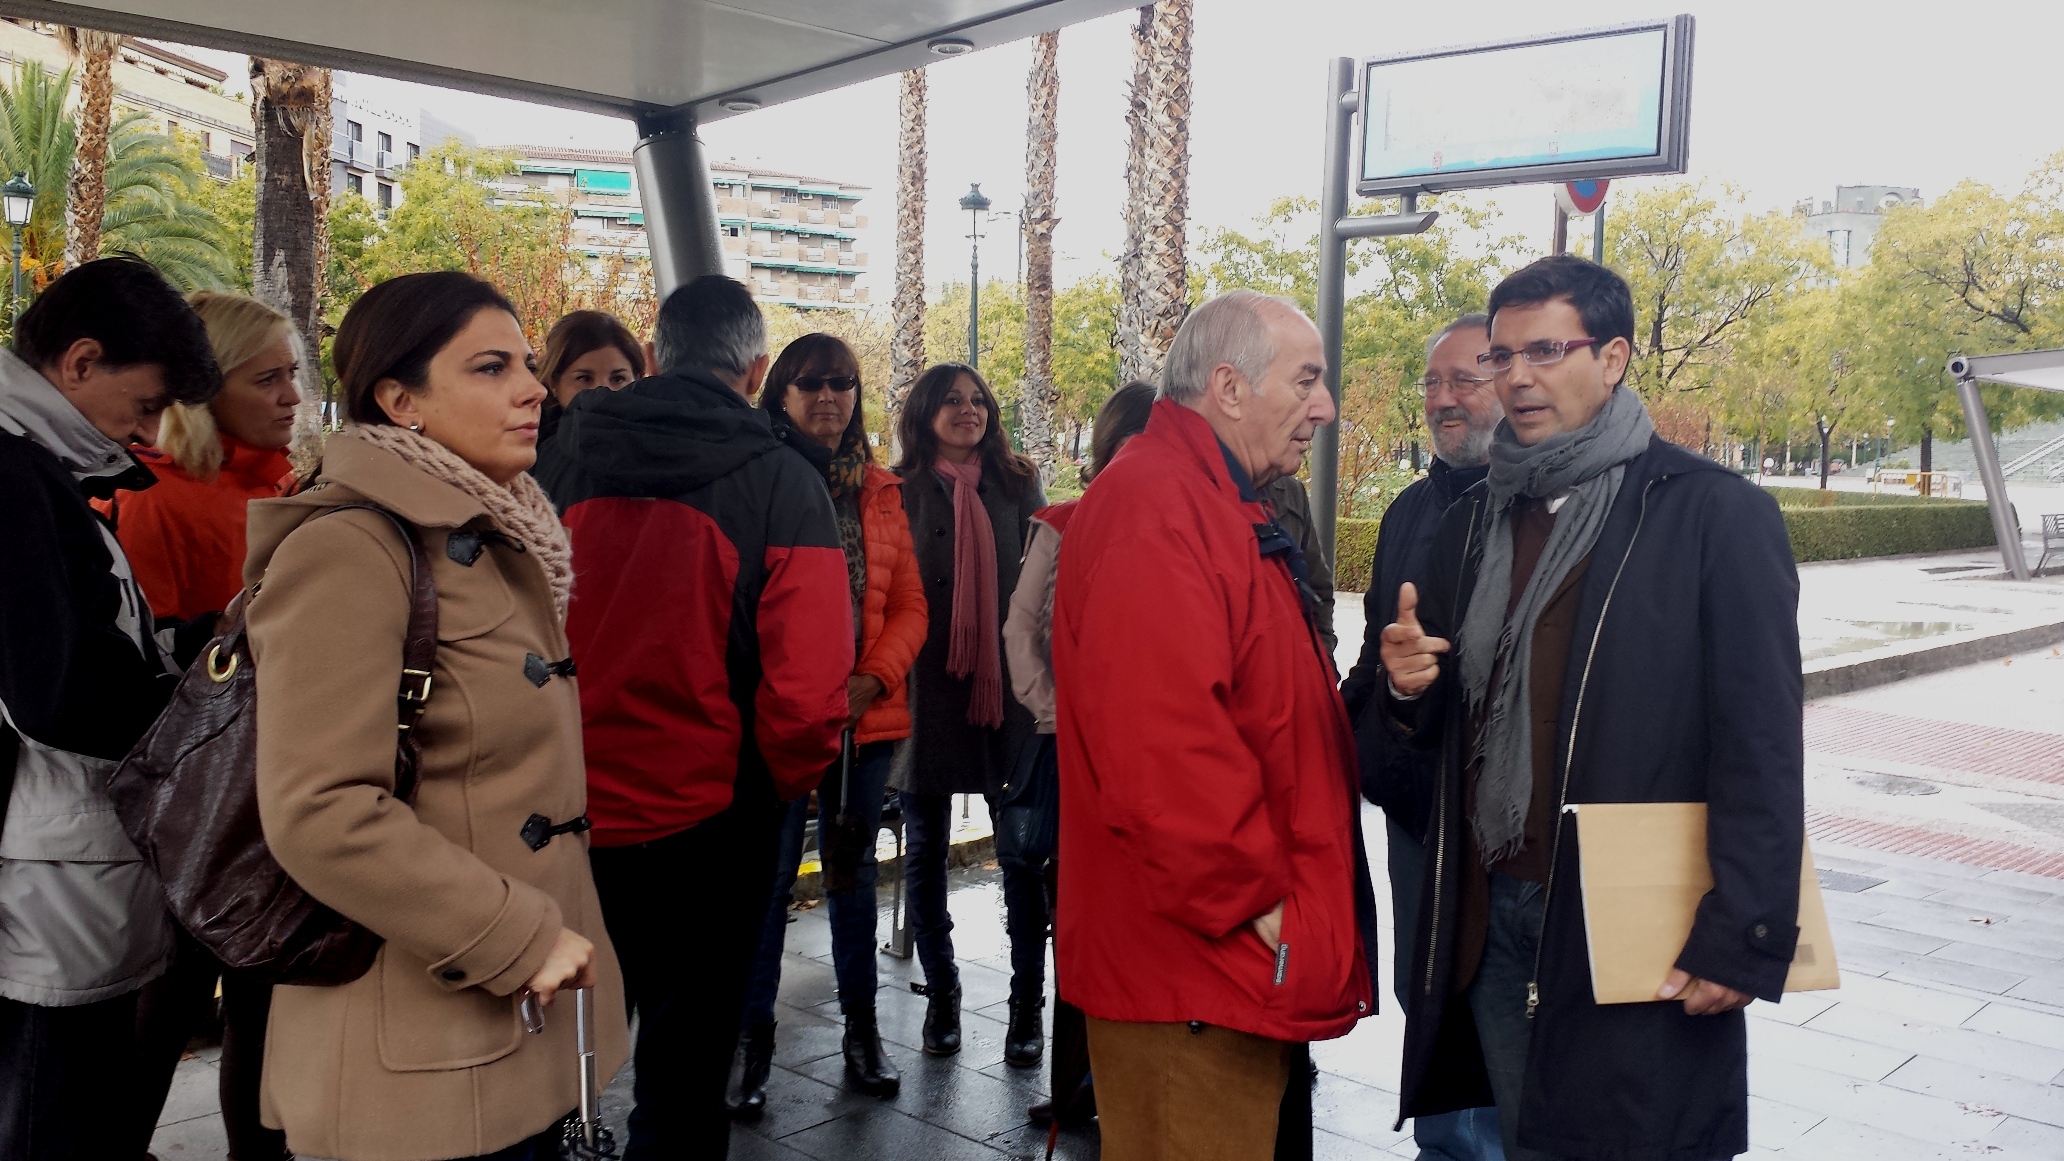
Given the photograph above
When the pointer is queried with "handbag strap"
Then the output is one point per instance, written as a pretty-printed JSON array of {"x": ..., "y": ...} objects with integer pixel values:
[{"x": 418, "y": 651}]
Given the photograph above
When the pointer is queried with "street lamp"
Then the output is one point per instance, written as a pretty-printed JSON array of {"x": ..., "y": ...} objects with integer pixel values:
[
  {"x": 976, "y": 205},
  {"x": 18, "y": 200}
]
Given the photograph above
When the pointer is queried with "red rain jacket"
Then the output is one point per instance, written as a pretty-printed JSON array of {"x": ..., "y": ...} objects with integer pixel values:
[
  {"x": 1207, "y": 765},
  {"x": 712, "y": 617}
]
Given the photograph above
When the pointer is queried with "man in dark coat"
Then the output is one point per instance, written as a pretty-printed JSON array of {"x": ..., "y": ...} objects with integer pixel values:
[
  {"x": 1607, "y": 618},
  {"x": 1461, "y": 412},
  {"x": 82, "y": 675},
  {"x": 713, "y": 627}
]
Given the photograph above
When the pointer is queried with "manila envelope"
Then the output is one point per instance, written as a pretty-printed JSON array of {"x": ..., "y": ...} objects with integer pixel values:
[{"x": 1644, "y": 871}]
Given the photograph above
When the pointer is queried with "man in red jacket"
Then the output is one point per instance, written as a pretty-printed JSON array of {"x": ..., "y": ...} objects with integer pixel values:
[
  {"x": 713, "y": 626},
  {"x": 1212, "y": 893}
]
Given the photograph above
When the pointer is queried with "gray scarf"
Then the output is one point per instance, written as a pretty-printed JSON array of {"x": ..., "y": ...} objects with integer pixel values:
[{"x": 1588, "y": 463}]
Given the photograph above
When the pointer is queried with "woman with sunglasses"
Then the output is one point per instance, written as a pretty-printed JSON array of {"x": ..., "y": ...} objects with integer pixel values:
[
  {"x": 970, "y": 500},
  {"x": 813, "y": 392}
]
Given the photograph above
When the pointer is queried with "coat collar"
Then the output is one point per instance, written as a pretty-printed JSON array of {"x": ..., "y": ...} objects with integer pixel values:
[
  {"x": 37, "y": 411},
  {"x": 1190, "y": 431},
  {"x": 395, "y": 484}
]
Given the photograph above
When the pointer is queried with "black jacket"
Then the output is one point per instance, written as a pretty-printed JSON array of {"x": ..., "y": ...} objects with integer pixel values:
[
  {"x": 946, "y": 755},
  {"x": 1683, "y": 686},
  {"x": 73, "y": 673},
  {"x": 1395, "y": 777}
]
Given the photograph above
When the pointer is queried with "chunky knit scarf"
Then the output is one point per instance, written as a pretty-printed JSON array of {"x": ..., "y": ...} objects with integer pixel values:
[
  {"x": 973, "y": 642},
  {"x": 520, "y": 511}
]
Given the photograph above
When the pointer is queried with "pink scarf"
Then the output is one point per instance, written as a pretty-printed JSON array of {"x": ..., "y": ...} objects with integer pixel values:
[{"x": 972, "y": 640}]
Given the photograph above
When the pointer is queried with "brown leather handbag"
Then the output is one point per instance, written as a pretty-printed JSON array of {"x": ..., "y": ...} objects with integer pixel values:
[{"x": 187, "y": 794}]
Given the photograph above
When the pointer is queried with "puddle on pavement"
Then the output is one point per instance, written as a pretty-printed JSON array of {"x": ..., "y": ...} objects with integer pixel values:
[
  {"x": 1832, "y": 637},
  {"x": 1894, "y": 784}
]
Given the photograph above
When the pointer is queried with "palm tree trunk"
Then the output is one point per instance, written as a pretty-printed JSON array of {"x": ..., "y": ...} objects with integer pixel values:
[
  {"x": 1036, "y": 397},
  {"x": 1164, "y": 260},
  {"x": 1131, "y": 358},
  {"x": 88, "y": 197},
  {"x": 286, "y": 234},
  {"x": 907, "y": 352}
]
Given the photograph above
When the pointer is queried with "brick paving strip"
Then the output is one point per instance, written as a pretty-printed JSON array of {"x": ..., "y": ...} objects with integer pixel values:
[
  {"x": 2027, "y": 754},
  {"x": 1915, "y": 840}
]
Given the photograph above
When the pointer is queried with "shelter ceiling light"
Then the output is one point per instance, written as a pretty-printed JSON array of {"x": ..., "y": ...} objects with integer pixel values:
[
  {"x": 740, "y": 104},
  {"x": 951, "y": 45}
]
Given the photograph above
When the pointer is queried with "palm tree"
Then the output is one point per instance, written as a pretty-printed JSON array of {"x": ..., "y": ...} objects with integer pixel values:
[
  {"x": 1158, "y": 181},
  {"x": 1036, "y": 396},
  {"x": 907, "y": 353},
  {"x": 148, "y": 186},
  {"x": 95, "y": 51},
  {"x": 1130, "y": 358},
  {"x": 285, "y": 236}
]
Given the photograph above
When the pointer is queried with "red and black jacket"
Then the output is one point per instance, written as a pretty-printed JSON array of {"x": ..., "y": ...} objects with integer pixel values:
[{"x": 712, "y": 619}]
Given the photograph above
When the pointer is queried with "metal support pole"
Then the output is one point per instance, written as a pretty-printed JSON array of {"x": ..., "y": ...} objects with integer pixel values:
[
  {"x": 14, "y": 288},
  {"x": 680, "y": 205},
  {"x": 1341, "y": 101},
  {"x": 1987, "y": 454},
  {"x": 975, "y": 300},
  {"x": 1558, "y": 241},
  {"x": 1598, "y": 235}
]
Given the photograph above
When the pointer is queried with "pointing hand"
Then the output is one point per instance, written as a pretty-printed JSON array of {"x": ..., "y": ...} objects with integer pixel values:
[{"x": 1411, "y": 659}]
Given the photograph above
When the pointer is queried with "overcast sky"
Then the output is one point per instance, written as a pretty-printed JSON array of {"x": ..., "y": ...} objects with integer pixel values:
[{"x": 1791, "y": 98}]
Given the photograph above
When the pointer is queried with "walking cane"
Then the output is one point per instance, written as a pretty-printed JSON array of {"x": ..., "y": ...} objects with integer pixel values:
[{"x": 585, "y": 1137}]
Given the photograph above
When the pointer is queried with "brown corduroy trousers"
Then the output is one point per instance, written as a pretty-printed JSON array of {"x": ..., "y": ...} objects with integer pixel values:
[{"x": 1186, "y": 1092}]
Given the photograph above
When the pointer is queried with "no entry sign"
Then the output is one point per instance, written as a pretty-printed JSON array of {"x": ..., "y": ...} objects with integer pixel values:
[{"x": 1581, "y": 198}]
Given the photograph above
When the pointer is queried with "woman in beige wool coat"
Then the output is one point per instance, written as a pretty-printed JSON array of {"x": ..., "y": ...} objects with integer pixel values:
[{"x": 425, "y": 1057}]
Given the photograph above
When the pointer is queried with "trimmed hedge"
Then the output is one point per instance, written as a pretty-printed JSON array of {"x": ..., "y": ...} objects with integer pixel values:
[
  {"x": 1354, "y": 550},
  {"x": 1822, "y": 526},
  {"x": 1909, "y": 524}
]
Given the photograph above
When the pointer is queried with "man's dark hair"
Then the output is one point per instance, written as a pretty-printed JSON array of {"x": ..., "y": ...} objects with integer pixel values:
[
  {"x": 139, "y": 320},
  {"x": 395, "y": 328},
  {"x": 710, "y": 325},
  {"x": 1601, "y": 297}
]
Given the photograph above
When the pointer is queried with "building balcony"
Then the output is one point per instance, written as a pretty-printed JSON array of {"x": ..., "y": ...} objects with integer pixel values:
[
  {"x": 814, "y": 216},
  {"x": 813, "y": 254},
  {"x": 846, "y": 257}
]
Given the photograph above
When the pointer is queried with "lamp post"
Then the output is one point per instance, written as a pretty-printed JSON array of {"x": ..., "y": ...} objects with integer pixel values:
[
  {"x": 976, "y": 205},
  {"x": 18, "y": 199}
]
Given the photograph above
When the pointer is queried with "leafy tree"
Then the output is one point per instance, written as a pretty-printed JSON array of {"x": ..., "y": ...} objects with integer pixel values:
[
  {"x": 1703, "y": 274},
  {"x": 155, "y": 187}
]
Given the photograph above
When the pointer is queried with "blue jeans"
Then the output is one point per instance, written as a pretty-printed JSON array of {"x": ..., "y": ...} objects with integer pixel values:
[
  {"x": 853, "y": 913},
  {"x": 928, "y": 831},
  {"x": 1470, "y": 1134},
  {"x": 1498, "y": 995}
]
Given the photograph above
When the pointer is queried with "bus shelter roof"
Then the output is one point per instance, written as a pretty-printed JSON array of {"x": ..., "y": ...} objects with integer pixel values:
[
  {"x": 627, "y": 57},
  {"x": 2042, "y": 370}
]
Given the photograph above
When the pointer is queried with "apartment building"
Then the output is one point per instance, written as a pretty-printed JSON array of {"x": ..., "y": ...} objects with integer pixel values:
[
  {"x": 184, "y": 94},
  {"x": 792, "y": 238},
  {"x": 1849, "y": 222},
  {"x": 370, "y": 142}
]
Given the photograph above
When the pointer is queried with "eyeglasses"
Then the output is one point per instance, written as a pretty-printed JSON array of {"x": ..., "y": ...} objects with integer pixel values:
[
  {"x": 1541, "y": 354},
  {"x": 1460, "y": 384},
  {"x": 811, "y": 384}
]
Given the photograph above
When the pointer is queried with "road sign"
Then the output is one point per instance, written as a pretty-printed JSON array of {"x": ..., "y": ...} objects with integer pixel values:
[
  {"x": 1581, "y": 198},
  {"x": 1605, "y": 102}
]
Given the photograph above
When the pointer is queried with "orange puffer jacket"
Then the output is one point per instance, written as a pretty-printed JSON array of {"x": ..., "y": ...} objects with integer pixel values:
[{"x": 893, "y": 620}]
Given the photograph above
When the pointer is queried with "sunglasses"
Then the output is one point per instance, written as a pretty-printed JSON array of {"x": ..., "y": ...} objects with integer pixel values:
[{"x": 811, "y": 384}]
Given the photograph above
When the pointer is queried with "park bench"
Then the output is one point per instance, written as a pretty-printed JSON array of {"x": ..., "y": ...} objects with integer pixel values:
[{"x": 2053, "y": 538}]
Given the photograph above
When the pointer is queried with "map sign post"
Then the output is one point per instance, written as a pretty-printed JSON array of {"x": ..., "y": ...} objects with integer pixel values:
[{"x": 1574, "y": 107}]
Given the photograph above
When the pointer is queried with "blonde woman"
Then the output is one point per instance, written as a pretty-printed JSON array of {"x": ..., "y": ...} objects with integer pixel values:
[
  {"x": 185, "y": 540},
  {"x": 185, "y": 536}
]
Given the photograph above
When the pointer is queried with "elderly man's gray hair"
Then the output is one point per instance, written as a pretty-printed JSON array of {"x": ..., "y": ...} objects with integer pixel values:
[
  {"x": 1231, "y": 329},
  {"x": 1474, "y": 320},
  {"x": 710, "y": 325}
]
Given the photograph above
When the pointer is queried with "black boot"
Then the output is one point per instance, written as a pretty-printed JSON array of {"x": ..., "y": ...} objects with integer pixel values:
[
  {"x": 942, "y": 1020},
  {"x": 756, "y": 1044},
  {"x": 868, "y": 1067},
  {"x": 1025, "y": 1042}
]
